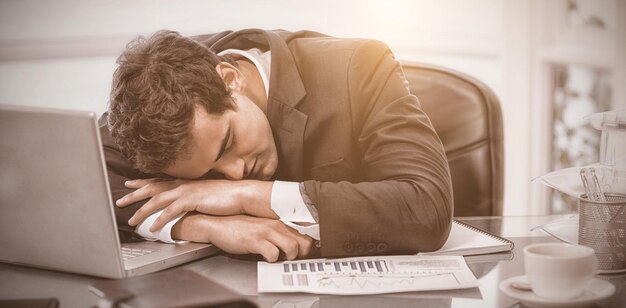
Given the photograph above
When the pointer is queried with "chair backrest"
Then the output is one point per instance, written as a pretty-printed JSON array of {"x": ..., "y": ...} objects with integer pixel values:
[{"x": 467, "y": 116}]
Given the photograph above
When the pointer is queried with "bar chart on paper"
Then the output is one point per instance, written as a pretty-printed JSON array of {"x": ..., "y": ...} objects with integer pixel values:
[{"x": 366, "y": 275}]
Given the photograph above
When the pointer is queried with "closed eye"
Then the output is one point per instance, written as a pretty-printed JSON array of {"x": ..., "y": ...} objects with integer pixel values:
[
  {"x": 226, "y": 142},
  {"x": 232, "y": 141}
]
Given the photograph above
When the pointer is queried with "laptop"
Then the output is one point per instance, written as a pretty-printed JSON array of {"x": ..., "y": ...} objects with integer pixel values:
[{"x": 56, "y": 210}]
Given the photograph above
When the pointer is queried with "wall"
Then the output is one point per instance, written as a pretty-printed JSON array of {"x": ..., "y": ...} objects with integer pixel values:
[
  {"x": 62, "y": 53},
  {"x": 65, "y": 50}
]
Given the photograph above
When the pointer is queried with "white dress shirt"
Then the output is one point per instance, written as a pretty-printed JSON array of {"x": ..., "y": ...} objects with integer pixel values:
[{"x": 286, "y": 199}]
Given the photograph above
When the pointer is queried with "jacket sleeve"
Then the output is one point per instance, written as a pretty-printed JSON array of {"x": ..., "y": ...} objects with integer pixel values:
[{"x": 404, "y": 203}]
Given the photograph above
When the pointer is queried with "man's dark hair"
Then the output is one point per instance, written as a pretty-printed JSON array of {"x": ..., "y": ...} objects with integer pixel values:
[{"x": 155, "y": 89}]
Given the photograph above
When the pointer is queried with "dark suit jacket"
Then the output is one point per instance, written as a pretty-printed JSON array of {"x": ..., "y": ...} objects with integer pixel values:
[{"x": 346, "y": 125}]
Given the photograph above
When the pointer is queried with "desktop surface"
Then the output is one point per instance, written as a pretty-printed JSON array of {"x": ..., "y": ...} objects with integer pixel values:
[{"x": 239, "y": 274}]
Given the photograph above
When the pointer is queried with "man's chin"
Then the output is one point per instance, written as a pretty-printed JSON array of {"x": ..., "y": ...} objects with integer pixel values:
[
  {"x": 264, "y": 176},
  {"x": 267, "y": 173}
]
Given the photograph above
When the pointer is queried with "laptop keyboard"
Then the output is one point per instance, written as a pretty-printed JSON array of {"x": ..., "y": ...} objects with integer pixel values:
[{"x": 129, "y": 253}]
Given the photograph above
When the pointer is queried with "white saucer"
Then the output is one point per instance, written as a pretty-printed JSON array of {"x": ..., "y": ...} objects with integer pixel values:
[{"x": 598, "y": 289}]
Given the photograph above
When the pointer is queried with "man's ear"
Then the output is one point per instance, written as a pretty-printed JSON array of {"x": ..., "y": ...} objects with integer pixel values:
[{"x": 232, "y": 77}]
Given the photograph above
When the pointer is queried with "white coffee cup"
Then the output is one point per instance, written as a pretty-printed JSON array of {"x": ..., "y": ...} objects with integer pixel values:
[{"x": 559, "y": 271}]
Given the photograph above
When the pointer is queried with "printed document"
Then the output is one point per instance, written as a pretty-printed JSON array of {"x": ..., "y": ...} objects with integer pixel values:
[{"x": 366, "y": 275}]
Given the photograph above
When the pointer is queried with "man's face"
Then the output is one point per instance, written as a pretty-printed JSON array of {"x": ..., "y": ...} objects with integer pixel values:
[{"x": 238, "y": 144}]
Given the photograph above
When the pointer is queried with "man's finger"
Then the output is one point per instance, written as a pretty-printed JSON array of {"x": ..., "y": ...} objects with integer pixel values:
[
  {"x": 174, "y": 209},
  {"x": 156, "y": 203},
  {"x": 145, "y": 192},
  {"x": 268, "y": 250},
  {"x": 138, "y": 183},
  {"x": 305, "y": 242},
  {"x": 285, "y": 242}
]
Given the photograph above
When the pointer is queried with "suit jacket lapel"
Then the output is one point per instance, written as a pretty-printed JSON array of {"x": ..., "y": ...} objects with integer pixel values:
[{"x": 288, "y": 123}]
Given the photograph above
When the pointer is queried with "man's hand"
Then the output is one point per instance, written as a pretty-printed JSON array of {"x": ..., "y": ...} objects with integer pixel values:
[
  {"x": 213, "y": 197},
  {"x": 241, "y": 234}
]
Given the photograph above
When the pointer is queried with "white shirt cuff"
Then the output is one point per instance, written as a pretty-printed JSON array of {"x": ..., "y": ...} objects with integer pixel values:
[
  {"x": 286, "y": 201},
  {"x": 164, "y": 234},
  {"x": 311, "y": 230}
]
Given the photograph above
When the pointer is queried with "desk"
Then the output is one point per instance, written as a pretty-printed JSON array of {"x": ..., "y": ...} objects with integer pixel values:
[{"x": 240, "y": 275}]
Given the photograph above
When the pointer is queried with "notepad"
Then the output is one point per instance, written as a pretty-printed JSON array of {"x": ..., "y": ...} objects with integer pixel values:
[{"x": 465, "y": 240}]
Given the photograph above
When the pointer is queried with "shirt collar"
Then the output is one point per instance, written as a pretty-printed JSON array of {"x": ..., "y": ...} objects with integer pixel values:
[{"x": 261, "y": 60}]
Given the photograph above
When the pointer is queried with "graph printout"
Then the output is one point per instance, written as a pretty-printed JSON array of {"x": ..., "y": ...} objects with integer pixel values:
[{"x": 366, "y": 275}]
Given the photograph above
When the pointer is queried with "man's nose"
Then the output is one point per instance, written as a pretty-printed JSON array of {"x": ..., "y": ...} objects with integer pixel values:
[{"x": 233, "y": 169}]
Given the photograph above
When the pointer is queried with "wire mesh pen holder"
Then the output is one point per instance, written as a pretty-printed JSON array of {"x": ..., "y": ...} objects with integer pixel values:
[{"x": 602, "y": 226}]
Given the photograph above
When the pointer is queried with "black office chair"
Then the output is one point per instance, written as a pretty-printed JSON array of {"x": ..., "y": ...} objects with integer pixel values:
[{"x": 467, "y": 116}]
